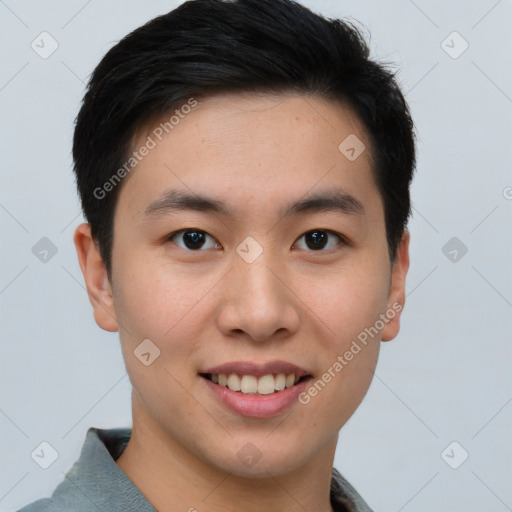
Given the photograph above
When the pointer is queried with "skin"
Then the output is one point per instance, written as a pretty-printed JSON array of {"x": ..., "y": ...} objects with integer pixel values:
[{"x": 255, "y": 153}]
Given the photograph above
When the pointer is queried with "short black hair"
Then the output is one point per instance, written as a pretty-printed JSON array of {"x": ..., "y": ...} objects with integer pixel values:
[{"x": 209, "y": 46}]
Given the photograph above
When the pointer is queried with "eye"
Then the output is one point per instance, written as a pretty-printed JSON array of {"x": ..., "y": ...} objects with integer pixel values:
[
  {"x": 318, "y": 239},
  {"x": 193, "y": 239}
]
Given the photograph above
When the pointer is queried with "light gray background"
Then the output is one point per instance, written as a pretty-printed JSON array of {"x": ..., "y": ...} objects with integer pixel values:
[{"x": 445, "y": 378}]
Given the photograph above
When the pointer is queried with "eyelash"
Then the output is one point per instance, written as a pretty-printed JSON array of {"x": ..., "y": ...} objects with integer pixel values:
[{"x": 341, "y": 238}]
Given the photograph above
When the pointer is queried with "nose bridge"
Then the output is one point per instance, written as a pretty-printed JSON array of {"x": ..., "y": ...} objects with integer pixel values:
[
  {"x": 252, "y": 261},
  {"x": 258, "y": 279},
  {"x": 258, "y": 302}
]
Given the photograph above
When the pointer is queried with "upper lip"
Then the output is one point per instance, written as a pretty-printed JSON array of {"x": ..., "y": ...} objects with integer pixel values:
[{"x": 257, "y": 369}]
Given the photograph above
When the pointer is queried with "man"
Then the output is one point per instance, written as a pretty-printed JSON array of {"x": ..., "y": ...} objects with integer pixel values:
[{"x": 244, "y": 169}]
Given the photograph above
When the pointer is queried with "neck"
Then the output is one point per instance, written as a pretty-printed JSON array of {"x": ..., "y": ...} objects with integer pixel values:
[{"x": 173, "y": 478}]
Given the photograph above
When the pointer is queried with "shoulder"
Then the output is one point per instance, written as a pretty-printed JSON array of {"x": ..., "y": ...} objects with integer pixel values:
[{"x": 42, "y": 505}]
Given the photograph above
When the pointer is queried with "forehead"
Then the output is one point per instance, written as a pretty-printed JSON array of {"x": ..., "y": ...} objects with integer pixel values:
[{"x": 249, "y": 149}]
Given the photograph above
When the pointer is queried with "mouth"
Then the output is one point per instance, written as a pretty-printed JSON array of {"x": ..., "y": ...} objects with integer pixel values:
[
  {"x": 257, "y": 379},
  {"x": 256, "y": 390},
  {"x": 250, "y": 384}
]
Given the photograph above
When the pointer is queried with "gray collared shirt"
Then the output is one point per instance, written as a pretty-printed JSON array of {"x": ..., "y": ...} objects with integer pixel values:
[{"x": 96, "y": 484}]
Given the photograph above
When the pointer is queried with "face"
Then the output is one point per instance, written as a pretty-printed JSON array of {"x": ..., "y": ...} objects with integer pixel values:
[{"x": 247, "y": 243}]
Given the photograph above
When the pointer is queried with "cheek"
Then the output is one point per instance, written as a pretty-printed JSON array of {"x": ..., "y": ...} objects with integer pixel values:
[
  {"x": 155, "y": 300},
  {"x": 349, "y": 302},
  {"x": 350, "y": 305},
  {"x": 166, "y": 305},
  {"x": 157, "y": 307}
]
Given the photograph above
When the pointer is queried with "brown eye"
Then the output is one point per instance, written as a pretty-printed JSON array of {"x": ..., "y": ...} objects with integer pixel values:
[
  {"x": 318, "y": 239},
  {"x": 193, "y": 239}
]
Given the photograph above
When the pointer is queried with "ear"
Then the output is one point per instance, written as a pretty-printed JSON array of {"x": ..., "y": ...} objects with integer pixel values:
[
  {"x": 396, "y": 299},
  {"x": 96, "y": 278}
]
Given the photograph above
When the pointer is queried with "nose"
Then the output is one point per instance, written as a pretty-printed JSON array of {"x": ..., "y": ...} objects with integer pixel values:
[{"x": 257, "y": 302}]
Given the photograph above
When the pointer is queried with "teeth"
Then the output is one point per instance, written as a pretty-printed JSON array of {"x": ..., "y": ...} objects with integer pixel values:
[
  {"x": 251, "y": 385},
  {"x": 280, "y": 381},
  {"x": 266, "y": 385},
  {"x": 234, "y": 382},
  {"x": 290, "y": 380}
]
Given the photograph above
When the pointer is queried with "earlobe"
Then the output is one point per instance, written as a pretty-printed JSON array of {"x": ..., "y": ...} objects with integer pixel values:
[
  {"x": 96, "y": 278},
  {"x": 396, "y": 299}
]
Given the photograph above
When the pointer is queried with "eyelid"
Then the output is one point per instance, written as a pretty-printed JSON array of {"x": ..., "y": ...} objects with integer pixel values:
[
  {"x": 342, "y": 239},
  {"x": 168, "y": 238}
]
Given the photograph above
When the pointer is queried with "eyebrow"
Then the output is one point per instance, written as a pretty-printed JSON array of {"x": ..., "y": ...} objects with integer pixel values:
[{"x": 335, "y": 200}]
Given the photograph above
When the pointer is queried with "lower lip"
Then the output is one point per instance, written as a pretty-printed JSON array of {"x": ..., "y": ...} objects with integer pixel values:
[{"x": 258, "y": 406}]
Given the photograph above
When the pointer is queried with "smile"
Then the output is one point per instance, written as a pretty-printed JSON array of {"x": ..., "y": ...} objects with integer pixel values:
[
  {"x": 256, "y": 390},
  {"x": 252, "y": 385}
]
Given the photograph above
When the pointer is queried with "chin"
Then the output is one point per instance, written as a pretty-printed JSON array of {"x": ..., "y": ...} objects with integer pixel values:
[{"x": 251, "y": 462}]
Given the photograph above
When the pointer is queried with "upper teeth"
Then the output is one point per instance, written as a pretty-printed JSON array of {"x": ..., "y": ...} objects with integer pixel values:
[{"x": 249, "y": 384}]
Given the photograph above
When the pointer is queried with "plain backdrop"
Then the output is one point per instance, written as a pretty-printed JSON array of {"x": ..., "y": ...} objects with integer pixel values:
[{"x": 445, "y": 379}]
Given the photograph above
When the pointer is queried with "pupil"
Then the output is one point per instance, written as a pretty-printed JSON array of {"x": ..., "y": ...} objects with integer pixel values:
[
  {"x": 194, "y": 239},
  {"x": 318, "y": 238}
]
